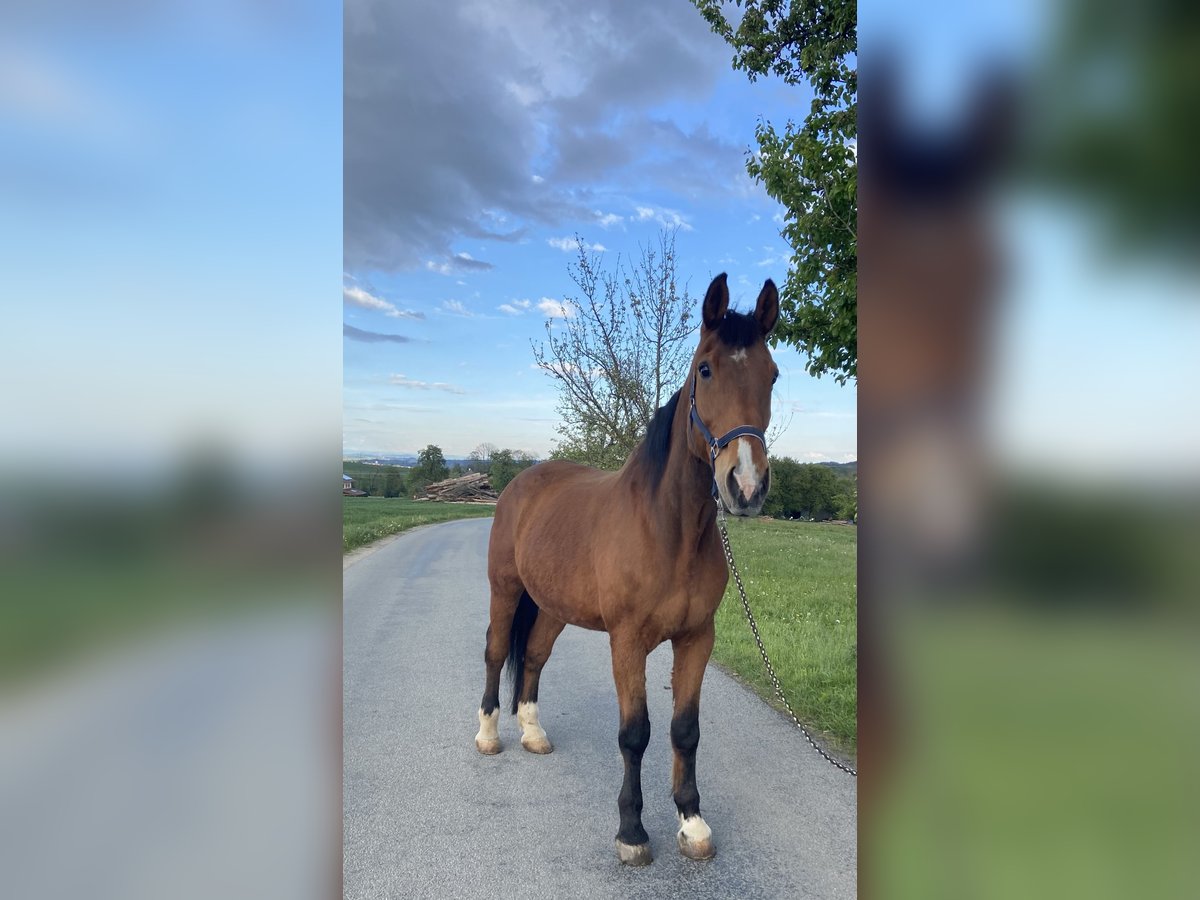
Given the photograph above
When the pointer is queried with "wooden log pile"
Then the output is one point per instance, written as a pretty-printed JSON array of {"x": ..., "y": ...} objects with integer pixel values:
[{"x": 472, "y": 488}]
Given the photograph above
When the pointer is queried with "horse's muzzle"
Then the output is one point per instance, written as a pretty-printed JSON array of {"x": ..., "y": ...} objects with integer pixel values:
[{"x": 736, "y": 501}]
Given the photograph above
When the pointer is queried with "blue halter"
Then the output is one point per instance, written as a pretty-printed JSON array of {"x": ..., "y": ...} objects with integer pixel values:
[{"x": 716, "y": 445}]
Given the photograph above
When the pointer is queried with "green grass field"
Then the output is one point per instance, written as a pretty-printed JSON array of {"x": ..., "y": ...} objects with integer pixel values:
[
  {"x": 801, "y": 581},
  {"x": 367, "y": 519}
]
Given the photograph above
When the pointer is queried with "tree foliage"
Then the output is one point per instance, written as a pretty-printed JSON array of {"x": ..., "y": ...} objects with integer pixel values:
[
  {"x": 621, "y": 353},
  {"x": 481, "y": 457},
  {"x": 1115, "y": 115},
  {"x": 810, "y": 168},
  {"x": 809, "y": 491},
  {"x": 430, "y": 467},
  {"x": 393, "y": 484},
  {"x": 504, "y": 469}
]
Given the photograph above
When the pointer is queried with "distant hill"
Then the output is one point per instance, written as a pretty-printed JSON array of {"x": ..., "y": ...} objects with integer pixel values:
[
  {"x": 849, "y": 469},
  {"x": 374, "y": 462},
  {"x": 405, "y": 461},
  {"x": 355, "y": 469}
]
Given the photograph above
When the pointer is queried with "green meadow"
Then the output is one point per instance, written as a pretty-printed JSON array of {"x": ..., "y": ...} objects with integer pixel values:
[
  {"x": 801, "y": 580},
  {"x": 367, "y": 519}
]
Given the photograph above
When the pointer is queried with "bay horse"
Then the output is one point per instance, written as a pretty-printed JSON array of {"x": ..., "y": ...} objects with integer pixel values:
[{"x": 636, "y": 553}]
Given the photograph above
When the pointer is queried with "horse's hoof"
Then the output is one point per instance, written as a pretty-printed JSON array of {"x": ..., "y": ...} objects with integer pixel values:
[
  {"x": 634, "y": 854},
  {"x": 695, "y": 839},
  {"x": 487, "y": 748},
  {"x": 537, "y": 745}
]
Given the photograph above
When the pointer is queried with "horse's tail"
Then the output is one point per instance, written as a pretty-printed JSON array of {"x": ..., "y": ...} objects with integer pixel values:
[{"x": 518, "y": 639}]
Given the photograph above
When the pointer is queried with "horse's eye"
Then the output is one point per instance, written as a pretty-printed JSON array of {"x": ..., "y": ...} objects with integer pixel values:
[
  {"x": 776, "y": 378},
  {"x": 705, "y": 371}
]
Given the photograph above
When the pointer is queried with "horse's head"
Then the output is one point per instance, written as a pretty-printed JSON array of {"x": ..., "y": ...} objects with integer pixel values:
[{"x": 731, "y": 377}]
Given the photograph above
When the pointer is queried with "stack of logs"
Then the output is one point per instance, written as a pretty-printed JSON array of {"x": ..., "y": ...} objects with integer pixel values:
[{"x": 473, "y": 488}]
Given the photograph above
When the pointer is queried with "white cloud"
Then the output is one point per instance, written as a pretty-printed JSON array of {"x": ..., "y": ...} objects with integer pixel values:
[
  {"x": 607, "y": 220},
  {"x": 570, "y": 244},
  {"x": 516, "y": 308},
  {"x": 455, "y": 307},
  {"x": 405, "y": 381},
  {"x": 356, "y": 296},
  {"x": 668, "y": 218},
  {"x": 556, "y": 309},
  {"x": 774, "y": 258}
]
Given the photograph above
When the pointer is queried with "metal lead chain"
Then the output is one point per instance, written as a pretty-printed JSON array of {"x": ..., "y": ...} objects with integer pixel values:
[{"x": 763, "y": 650}]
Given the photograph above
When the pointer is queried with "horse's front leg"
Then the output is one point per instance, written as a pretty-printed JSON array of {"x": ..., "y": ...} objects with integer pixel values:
[
  {"x": 629, "y": 673},
  {"x": 691, "y": 656}
]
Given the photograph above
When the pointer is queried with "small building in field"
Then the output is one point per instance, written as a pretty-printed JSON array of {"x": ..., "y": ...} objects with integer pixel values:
[{"x": 347, "y": 484}]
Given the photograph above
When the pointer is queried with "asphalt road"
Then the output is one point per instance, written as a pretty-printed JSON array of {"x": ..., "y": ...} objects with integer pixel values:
[{"x": 425, "y": 815}]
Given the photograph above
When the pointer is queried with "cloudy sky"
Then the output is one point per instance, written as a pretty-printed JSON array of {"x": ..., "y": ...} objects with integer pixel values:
[{"x": 480, "y": 139}]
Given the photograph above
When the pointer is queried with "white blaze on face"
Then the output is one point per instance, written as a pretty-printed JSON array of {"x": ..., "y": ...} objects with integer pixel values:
[
  {"x": 527, "y": 717},
  {"x": 739, "y": 355},
  {"x": 745, "y": 473}
]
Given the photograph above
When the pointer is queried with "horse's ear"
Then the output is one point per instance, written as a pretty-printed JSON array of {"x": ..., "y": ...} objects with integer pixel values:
[
  {"x": 767, "y": 308},
  {"x": 716, "y": 301}
]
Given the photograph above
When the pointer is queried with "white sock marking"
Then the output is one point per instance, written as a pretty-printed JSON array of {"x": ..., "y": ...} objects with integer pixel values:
[
  {"x": 694, "y": 828},
  {"x": 487, "y": 726},
  {"x": 527, "y": 717}
]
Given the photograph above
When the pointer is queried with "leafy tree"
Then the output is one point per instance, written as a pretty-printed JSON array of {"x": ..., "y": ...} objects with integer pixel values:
[
  {"x": 394, "y": 484},
  {"x": 783, "y": 498},
  {"x": 620, "y": 355},
  {"x": 504, "y": 469},
  {"x": 506, "y": 464},
  {"x": 812, "y": 168},
  {"x": 1114, "y": 122},
  {"x": 823, "y": 492},
  {"x": 809, "y": 491},
  {"x": 847, "y": 502},
  {"x": 430, "y": 467},
  {"x": 481, "y": 457}
]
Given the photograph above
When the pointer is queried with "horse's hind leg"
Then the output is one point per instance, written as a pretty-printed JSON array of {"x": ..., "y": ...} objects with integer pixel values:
[
  {"x": 546, "y": 629},
  {"x": 503, "y": 608},
  {"x": 691, "y": 656}
]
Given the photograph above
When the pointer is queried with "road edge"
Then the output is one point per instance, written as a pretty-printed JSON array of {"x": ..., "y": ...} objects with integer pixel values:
[{"x": 360, "y": 553}]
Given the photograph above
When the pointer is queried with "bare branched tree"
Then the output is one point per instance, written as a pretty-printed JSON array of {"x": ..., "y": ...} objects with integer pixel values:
[{"x": 620, "y": 354}]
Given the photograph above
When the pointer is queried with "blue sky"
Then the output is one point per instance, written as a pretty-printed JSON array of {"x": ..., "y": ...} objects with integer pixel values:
[
  {"x": 479, "y": 141},
  {"x": 171, "y": 231}
]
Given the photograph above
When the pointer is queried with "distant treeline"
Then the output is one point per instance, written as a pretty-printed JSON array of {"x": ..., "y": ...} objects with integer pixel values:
[
  {"x": 815, "y": 491},
  {"x": 405, "y": 481}
]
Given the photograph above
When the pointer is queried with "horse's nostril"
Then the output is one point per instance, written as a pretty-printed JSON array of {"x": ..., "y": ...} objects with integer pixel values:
[{"x": 732, "y": 485}]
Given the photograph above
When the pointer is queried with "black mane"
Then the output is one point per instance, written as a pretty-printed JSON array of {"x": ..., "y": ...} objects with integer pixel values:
[{"x": 656, "y": 445}]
